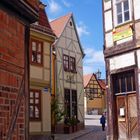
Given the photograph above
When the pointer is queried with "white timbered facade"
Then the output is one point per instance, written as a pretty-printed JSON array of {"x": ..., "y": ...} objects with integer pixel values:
[
  {"x": 69, "y": 67},
  {"x": 122, "y": 56}
]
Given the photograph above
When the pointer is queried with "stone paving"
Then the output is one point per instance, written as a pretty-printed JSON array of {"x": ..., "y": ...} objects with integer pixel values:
[
  {"x": 89, "y": 133},
  {"x": 95, "y": 134},
  {"x": 92, "y": 131}
]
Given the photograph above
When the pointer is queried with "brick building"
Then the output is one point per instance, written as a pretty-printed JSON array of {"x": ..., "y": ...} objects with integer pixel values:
[
  {"x": 15, "y": 17},
  {"x": 122, "y": 57}
]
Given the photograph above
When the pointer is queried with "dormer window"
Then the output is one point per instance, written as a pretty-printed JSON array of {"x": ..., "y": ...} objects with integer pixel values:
[{"x": 122, "y": 11}]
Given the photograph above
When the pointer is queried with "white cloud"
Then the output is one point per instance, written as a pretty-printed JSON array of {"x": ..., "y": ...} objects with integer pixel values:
[
  {"x": 67, "y": 4},
  {"x": 93, "y": 56},
  {"x": 93, "y": 61},
  {"x": 82, "y": 29},
  {"x": 54, "y": 6}
]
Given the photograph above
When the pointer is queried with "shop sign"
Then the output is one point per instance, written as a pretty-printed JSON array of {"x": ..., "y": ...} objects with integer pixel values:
[{"x": 122, "y": 32}]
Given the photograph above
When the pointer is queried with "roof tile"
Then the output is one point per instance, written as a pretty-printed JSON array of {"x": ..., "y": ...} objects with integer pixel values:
[{"x": 59, "y": 24}]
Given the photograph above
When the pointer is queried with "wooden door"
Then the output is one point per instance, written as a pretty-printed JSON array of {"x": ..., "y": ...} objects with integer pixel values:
[
  {"x": 127, "y": 117},
  {"x": 132, "y": 116},
  {"x": 122, "y": 117}
]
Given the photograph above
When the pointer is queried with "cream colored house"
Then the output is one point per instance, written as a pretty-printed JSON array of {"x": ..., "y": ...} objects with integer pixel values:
[
  {"x": 69, "y": 68},
  {"x": 41, "y": 39}
]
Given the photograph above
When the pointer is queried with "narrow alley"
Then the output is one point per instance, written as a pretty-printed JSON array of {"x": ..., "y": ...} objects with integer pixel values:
[{"x": 92, "y": 131}]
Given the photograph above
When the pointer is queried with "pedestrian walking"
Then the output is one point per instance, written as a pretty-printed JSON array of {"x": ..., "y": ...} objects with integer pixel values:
[{"x": 103, "y": 121}]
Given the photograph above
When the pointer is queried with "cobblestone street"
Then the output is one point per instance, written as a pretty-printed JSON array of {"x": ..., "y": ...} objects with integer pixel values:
[
  {"x": 92, "y": 131},
  {"x": 95, "y": 134}
]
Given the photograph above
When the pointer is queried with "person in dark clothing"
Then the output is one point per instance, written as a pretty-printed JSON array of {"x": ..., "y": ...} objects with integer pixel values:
[{"x": 103, "y": 121}]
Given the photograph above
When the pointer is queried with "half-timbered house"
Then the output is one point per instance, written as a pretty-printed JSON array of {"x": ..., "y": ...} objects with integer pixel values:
[
  {"x": 69, "y": 68},
  {"x": 95, "y": 94},
  {"x": 122, "y": 57},
  {"x": 41, "y": 39}
]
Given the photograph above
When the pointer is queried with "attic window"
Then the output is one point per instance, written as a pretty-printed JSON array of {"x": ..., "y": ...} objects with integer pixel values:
[{"x": 70, "y": 23}]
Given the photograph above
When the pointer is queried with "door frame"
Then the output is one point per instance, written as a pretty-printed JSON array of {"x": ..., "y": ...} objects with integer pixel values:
[{"x": 127, "y": 122}]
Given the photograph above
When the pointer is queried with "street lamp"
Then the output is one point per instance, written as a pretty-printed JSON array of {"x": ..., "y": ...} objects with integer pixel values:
[{"x": 98, "y": 74}]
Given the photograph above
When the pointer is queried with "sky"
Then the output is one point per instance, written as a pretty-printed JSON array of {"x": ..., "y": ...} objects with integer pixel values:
[{"x": 88, "y": 19}]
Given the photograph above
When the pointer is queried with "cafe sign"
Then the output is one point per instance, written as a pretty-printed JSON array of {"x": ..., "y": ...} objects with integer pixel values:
[{"x": 122, "y": 32}]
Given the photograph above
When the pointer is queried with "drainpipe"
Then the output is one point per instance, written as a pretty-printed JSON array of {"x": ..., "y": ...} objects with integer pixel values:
[{"x": 50, "y": 70}]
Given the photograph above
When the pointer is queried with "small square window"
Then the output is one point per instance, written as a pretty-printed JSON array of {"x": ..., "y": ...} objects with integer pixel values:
[
  {"x": 36, "y": 52},
  {"x": 35, "y": 105},
  {"x": 122, "y": 11}
]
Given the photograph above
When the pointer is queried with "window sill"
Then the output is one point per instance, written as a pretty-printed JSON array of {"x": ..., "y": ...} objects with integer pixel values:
[
  {"x": 35, "y": 120},
  {"x": 36, "y": 64},
  {"x": 70, "y": 71}
]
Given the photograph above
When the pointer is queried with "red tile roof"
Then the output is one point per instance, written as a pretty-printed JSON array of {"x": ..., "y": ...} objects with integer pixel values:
[
  {"x": 43, "y": 22},
  {"x": 59, "y": 24},
  {"x": 102, "y": 83},
  {"x": 89, "y": 76},
  {"x": 87, "y": 79}
]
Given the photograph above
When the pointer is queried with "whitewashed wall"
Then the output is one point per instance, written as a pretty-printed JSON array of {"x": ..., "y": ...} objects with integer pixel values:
[
  {"x": 108, "y": 20},
  {"x": 109, "y": 40},
  {"x": 124, "y": 40},
  {"x": 122, "y": 61},
  {"x": 137, "y": 9},
  {"x": 107, "y": 5},
  {"x": 68, "y": 44}
]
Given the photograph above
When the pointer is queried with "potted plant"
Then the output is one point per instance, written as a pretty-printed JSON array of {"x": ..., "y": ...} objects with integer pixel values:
[
  {"x": 57, "y": 113},
  {"x": 70, "y": 124},
  {"x": 74, "y": 122},
  {"x": 67, "y": 125}
]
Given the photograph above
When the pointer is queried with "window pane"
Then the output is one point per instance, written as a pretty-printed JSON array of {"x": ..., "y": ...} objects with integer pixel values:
[
  {"x": 126, "y": 6},
  {"x": 36, "y": 112},
  {"x": 66, "y": 62},
  {"x": 39, "y": 58},
  {"x": 72, "y": 64},
  {"x": 67, "y": 102},
  {"x": 31, "y": 111},
  {"x": 119, "y": 18},
  {"x": 39, "y": 47},
  {"x": 133, "y": 82},
  {"x": 129, "y": 83},
  {"x": 119, "y": 8},
  {"x": 34, "y": 56},
  {"x": 126, "y": 16},
  {"x": 34, "y": 46},
  {"x": 36, "y": 95},
  {"x": 36, "y": 101},
  {"x": 31, "y": 101},
  {"x": 31, "y": 94},
  {"x": 36, "y": 50},
  {"x": 123, "y": 85}
]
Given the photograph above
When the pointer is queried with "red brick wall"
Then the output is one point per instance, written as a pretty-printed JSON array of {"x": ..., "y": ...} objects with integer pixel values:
[{"x": 12, "y": 34}]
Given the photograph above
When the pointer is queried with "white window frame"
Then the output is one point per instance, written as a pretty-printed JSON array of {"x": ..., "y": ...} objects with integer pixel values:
[{"x": 115, "y": 12}]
